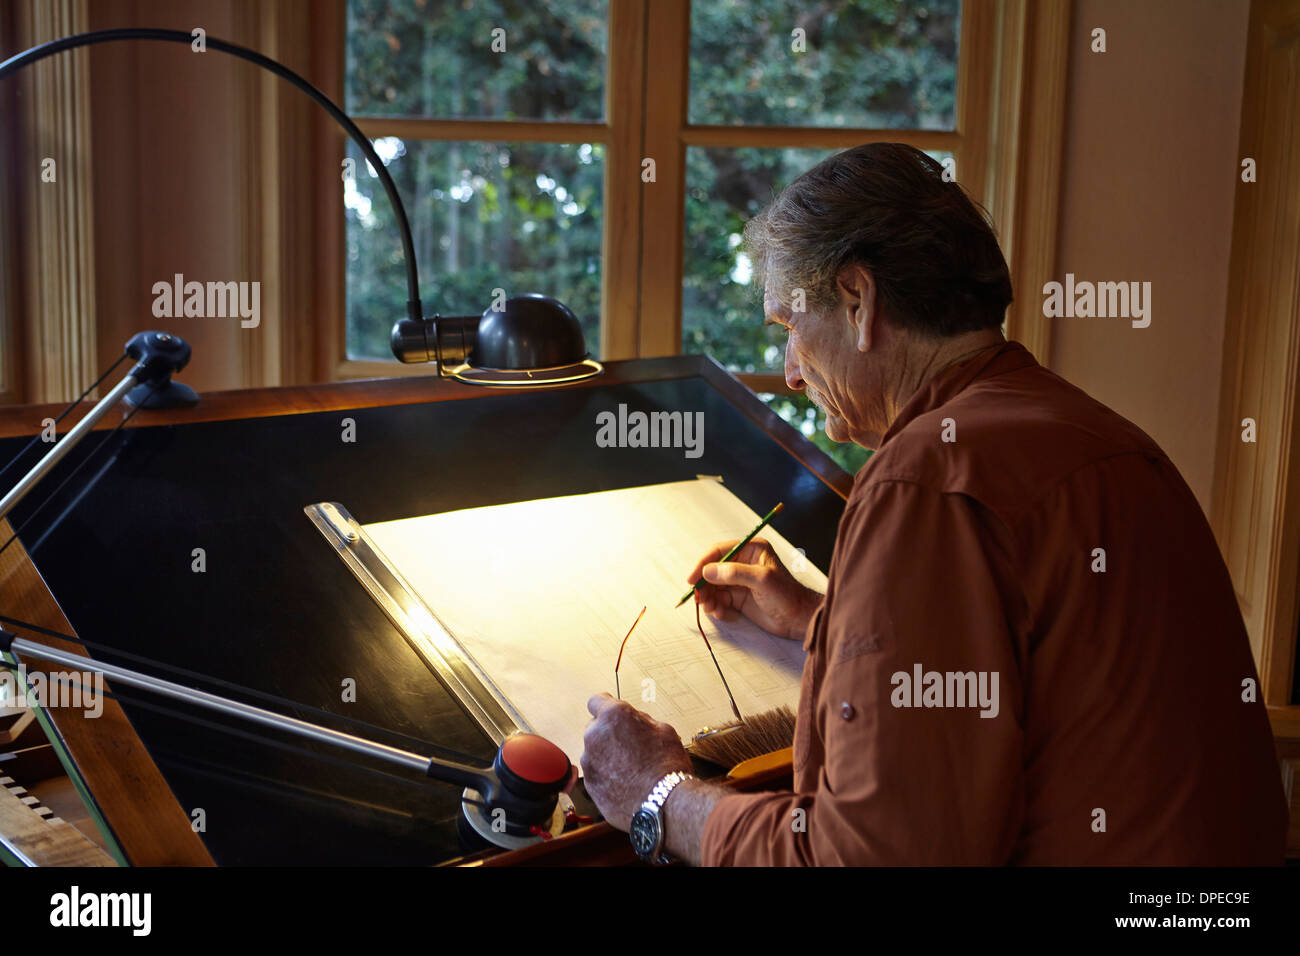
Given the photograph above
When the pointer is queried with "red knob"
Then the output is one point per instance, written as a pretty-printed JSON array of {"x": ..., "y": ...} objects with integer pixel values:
[{"x": 535, "y": 759}]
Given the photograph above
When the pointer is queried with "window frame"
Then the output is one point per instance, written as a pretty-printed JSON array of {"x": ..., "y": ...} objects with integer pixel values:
[{"x": 1011, "y": 78}]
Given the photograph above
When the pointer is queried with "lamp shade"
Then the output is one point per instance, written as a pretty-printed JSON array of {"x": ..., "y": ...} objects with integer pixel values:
[
  {"x": 532, "y": 332},
  {"x": 528, "y": 341}
]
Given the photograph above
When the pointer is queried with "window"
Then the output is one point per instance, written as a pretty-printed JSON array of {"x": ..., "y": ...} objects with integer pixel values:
[
  {"x": 518, "y": 135},
  {"x": 522, "y": 215},
  {"x": 772, "y": 66}
]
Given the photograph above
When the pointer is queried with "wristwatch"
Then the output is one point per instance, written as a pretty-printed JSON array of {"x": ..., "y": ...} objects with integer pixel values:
[{"x": 647, "y": 829}]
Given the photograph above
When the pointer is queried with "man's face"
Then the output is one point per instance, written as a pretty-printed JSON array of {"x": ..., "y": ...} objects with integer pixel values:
[{"x": 822, "y": 358}]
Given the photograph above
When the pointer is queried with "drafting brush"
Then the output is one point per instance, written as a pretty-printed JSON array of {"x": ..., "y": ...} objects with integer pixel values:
[{"x": 736, "y": 742}]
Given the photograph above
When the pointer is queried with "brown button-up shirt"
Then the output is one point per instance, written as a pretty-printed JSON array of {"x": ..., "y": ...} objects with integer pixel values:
[{"x": 1029, "y": 652}]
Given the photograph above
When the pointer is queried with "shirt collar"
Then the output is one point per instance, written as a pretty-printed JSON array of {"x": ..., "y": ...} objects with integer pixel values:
[{"x": 951, "y": 381}]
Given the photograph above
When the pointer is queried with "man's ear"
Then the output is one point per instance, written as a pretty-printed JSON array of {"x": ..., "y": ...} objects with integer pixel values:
[{"x": 858, "y": 301}]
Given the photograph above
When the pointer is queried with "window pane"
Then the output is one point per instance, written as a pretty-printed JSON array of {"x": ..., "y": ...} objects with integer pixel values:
[
  {"x": 432, "y": 58},
  {"x": 879, "y": 64},
  {"x": 523, "y": 217}
]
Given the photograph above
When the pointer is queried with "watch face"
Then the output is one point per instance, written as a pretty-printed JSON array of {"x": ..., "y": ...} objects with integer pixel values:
[{"x": 644, "y": 832}]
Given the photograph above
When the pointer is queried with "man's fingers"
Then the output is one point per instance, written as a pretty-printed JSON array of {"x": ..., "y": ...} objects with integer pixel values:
[
  {"x": 732, "y": 574},
  {"x": 752, "y": 553},
  {"x": 599, "y": 703},
  {"x": 714, "y": 600},
  {"x": 722, "y": 613},
  {"x": 717, "y": 551}
]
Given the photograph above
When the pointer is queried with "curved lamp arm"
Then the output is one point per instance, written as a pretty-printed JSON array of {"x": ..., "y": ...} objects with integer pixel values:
[
  {"x": 414, "y": 309},
  {"x": 534, "y": 342}
]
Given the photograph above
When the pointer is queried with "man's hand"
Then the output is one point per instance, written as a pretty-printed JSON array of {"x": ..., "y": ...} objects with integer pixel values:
[
  {"x": 756, "y": 584},
  {"x": 625, "y": 753}
]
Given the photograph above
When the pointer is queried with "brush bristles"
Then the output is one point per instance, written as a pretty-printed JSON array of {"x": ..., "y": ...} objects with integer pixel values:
[{"x": 737, "y": 742}]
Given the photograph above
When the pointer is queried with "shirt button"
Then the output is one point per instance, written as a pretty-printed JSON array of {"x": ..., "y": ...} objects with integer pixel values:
[{"x": 846, "y": 710}]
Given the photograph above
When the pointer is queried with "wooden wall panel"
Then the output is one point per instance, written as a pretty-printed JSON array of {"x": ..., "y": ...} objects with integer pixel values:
[
  {"x": 1257, "y": 488},
  {"x": 1024, "y": 156}
]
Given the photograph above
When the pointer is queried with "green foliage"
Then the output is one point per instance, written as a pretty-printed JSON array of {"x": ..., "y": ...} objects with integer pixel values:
[
  {"x": 435, "y": 58},
  {"x": 527, "y": 217},
  {"x": 873, "y": 64},
  {"x": 523, "y": 217}
]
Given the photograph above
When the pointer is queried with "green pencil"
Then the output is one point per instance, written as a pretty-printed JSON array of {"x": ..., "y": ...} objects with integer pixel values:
[{"x": 739, "y": 544}]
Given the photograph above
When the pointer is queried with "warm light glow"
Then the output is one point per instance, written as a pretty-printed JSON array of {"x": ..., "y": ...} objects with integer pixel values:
[{"x": 529, "y": 378}]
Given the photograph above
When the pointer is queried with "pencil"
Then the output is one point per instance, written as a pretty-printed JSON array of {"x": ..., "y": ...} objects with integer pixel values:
[{"x": 739, "y": 544}]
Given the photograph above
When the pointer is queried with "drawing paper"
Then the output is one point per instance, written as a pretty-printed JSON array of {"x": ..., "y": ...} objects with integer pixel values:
[{"x": 540, "y": 594}]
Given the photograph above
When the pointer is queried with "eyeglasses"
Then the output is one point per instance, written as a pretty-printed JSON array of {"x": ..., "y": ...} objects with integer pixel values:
[{"x": 700, "y": 627}]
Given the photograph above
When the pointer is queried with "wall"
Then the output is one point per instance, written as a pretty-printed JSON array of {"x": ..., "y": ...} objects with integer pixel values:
[
  {"x": 200, "y": 164},
  {"x": 1148, "y": 177}
]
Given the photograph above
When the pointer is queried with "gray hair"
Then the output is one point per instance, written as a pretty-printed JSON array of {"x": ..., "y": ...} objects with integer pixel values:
[{"x": 887, "y": 207}]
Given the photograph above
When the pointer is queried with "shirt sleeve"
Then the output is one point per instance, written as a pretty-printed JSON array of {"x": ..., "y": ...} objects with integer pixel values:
[{"x": 918, "y": 706}]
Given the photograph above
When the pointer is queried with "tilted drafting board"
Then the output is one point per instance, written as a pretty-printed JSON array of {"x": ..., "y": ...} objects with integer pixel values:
[{"x": 521, "y": 608}]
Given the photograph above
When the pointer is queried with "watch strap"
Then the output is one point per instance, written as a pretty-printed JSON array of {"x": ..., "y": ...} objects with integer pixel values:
[
  {"x": 654, "y": 804},
  {"x": 659, "y": 794}
]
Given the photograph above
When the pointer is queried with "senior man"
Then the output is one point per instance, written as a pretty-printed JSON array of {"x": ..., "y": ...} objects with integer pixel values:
[{"x": 1007, "y": 526}]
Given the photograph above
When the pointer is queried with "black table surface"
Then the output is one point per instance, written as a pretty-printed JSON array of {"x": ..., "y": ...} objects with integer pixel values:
[{"x": 276, "y": 612}]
